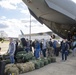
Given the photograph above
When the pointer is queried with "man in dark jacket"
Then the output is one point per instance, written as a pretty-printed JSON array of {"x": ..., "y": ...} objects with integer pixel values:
[{"x": 64, "y": 49}]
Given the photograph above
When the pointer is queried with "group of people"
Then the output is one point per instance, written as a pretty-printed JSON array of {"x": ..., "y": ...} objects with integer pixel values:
[
  {"x": 41, "y": 47},
  {"x": 66, "y": 46}
]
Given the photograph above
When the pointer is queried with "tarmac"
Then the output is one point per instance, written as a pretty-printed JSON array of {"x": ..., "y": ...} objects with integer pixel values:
[{"x": 58, "y": 68}]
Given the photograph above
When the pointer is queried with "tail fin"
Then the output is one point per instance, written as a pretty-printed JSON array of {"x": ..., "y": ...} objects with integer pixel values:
[{"x": 21, "y": 32}]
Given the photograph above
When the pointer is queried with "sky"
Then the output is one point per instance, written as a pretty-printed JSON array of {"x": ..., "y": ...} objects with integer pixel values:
[{"x": 14, "y": 16}]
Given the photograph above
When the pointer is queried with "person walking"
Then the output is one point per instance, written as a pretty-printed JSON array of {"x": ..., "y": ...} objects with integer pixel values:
[
  {"x": 23, "y": 43},
  {"x": 11, "y": 50},
  {"x": 64, "y": 49},
  {"x": 50, "y": 48},
  {"x": 44, "y": 46},
  {"x": 16, "y": 49},
  {"x": 37, "y": 49},
  {"x": 55, "y": 47}
]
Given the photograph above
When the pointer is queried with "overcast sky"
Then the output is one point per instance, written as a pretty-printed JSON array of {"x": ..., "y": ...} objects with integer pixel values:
[{"x": 14, "y": 16}]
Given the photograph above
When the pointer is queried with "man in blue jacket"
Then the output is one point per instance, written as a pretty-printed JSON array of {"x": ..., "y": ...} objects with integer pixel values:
[
  {"x": 37, "y": 49},
  {"x": 64, "y": 49}
]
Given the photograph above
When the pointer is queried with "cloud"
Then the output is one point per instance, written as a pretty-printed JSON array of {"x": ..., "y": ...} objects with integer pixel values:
[
  {"x": 27, "y": 19},
  {"x": 3, "y": 26},
  {"x": 15, "y": 2},
  {"x": 74, "y": 1},
  {"x": 7, "y": 5},
  {"x": 24, "y": 11},
  {"x": 10, "y": 4},
  {"x": 2, "y": 17},
  {"x": 13, "y": 25}
]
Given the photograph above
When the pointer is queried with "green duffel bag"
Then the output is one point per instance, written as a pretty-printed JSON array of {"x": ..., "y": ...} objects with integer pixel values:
[
  {"x": 33, "y": 58},
  {"x": 20, "y": 56},
  {"x": 36, "y": 63},
  {"x": 8, "y": 61},
  {"x": 53, "y": 59},
  {"x": 31, "y": 66},
  {"x": 21, "y": 67},
  {"x": 24, "y": 57},
  {"x": 26, "y": 67},
  {"x": 21, "y": 53},
  {"x": 6, "y": 56},
  {"x": 10, "y": 65},
  {"x": 28, "y": 56},
  {"x": 12, "y": 71},
  {"x": 49, "y": 61},
  {"x": 41, "y": 63},
  {"x": 45, "y": 60}
]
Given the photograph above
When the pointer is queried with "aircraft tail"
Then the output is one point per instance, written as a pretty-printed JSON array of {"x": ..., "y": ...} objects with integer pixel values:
[{"x": 21, "y": 32}]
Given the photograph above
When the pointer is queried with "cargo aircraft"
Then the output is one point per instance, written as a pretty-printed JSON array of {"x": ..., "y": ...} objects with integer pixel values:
[{"x": 58, "y": 15}]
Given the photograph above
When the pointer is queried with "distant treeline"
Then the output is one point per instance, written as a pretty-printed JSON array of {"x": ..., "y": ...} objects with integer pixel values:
[{"x": 1, "y": 39}]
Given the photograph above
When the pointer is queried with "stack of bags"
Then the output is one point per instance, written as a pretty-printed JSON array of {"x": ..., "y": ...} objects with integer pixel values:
[
  {"x": 22, "y": 56},
  {"x": 19, "y": 68},
  {"x": 43, "y": 61},
  {"x": 25, "y": 67},
  {"x": 28, "y": 63},
  {"x": 11, "y": 69}
]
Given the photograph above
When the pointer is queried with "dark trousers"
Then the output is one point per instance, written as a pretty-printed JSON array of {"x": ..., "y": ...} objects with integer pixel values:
[
  {"x": 64, "y": 55},
  {"x": 44, "y": 52},
  {"x": 54, "y": 51},
  {"x": 57, "y": 51},
  {"x": 2, "y": 67}
]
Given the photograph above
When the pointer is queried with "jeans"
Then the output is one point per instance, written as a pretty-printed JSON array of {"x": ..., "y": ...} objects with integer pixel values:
[
  {"x": 36, "y": 53},
  {"x": 44, "y": 52},
  {"x": 12, "y": 59},
  {"x": 64, "y": 55}
]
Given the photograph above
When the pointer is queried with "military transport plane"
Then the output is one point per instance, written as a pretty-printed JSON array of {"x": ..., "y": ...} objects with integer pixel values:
[{"x": 58, "y": 15}]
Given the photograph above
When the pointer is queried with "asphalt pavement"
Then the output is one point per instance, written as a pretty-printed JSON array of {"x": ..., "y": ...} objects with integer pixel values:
[{"x": 59, "y": 68}]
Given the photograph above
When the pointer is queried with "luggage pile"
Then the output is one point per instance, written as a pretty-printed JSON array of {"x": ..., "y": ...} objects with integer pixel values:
[
  {"x": 25, "y": 67},
  {"x": 43, "y": 61},
  {"x": 5, "y": 57},
  {"x": 27, "y": 62},
  {"x": 11, "y": 69},
  {"x": 20, "y": 68},
  {"x": 22, "y": 56}
]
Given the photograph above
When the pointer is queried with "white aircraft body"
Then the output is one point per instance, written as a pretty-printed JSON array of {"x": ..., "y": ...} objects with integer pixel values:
[{"x": 58, "y": 15}]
